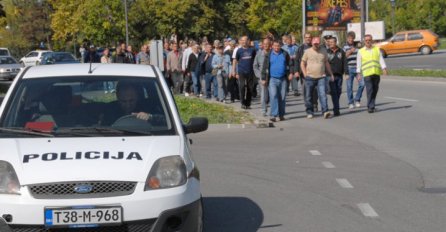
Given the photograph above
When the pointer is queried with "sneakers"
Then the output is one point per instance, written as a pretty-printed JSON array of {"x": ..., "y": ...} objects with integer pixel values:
[
  {"x": 273, "y": 119},
  {"x": 281, "y": 118},
  {"x": 351, "y": 106},
  {"x": 327, "y": 115},
  {"x": 309, "y": 116},
  {"x": 357, "y": 104}
]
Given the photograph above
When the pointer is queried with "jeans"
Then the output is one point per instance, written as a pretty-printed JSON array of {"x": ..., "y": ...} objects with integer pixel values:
[
  {"x": 246, "y": 83},
  {"x": 351, "y": 78},
  {"x": 177, "y": 79},
  {"x": 221, "y": 82},
  {"x": 372, "y": 86},
  {"x": 208, "y": 78},
  {"x": 295, "y": 85},
  {"x": 233, "y": 88},
  {"x": 264, "y": 98},
  {"x": 196, "y": 83},
  {"x": 277, "y": 90},
  {"x": 310, "y": 85},
  {"x": 336, "y": 91}
]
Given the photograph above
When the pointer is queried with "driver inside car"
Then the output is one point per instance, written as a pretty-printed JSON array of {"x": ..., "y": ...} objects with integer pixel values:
[{"x": 129, "y": 102}]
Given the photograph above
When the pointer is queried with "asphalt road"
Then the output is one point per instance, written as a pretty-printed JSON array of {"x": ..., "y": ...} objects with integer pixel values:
[
  {"x": 357, "y": 172},
  {"x": 436, "y": 60}
]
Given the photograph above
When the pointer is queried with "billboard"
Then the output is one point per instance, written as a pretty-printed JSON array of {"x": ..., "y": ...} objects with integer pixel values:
[
  {"x": 333, "y": 15},
  {"x": 376, "y": 29}
]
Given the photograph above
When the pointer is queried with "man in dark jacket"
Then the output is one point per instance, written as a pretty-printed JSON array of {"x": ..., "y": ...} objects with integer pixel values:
[
  {"x": 92, "y": 56},
  {"x": 193, "y": 69},
  {"x": 206, "y": 64},
  {"x": 275, "y": 72},
  {"x": 338, "y": 64}
]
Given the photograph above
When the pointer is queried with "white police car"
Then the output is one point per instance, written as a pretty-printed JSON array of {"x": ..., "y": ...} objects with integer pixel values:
[{"x": 98, "y": 148}]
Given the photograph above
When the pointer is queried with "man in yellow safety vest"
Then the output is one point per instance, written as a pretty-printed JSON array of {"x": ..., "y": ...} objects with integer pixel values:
[{"x": 370, "y": 65}]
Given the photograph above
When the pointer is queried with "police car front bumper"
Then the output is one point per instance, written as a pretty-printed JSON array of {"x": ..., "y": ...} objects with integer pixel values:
[{"x": 154, "y": 210}]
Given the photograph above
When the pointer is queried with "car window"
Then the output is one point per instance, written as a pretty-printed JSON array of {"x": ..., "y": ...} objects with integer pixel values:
[
  {"x": 32, "y": 54},
  {"x": 7, "y": 60},
  {"x": 4, "y": 52},
  {"x": 414, "y": 36},
  {"x": 63, "y": 57},
  {"x": 399, "y": 37},
  {"x": 91, "y": 102}
]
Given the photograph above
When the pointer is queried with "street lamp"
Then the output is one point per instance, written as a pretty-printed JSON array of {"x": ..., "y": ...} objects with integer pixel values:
[
  {"x": 392, "y": 2},
  {"x": 126, "y": 24}
]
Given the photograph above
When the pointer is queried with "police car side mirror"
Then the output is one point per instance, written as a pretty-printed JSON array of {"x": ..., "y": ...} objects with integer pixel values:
[{"x": 196, "y": 125}]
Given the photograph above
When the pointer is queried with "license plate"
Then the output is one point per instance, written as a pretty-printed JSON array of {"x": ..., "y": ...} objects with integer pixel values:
[{"x": 83, "y": 216}]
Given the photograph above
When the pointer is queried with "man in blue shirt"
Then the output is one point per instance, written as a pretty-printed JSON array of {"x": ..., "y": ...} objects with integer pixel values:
[
  {"x": 243, "y": 68},
  {"x": 275, "y": 73}
]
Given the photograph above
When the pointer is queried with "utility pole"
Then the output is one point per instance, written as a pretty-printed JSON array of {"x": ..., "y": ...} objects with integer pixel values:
[
  {"x": 363, "y": 12},
  {"x": 126, "y": 24},
  {"x": 392, "y": 2}
]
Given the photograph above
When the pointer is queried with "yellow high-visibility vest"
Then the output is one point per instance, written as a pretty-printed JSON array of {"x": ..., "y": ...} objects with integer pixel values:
[{"x": 370, "y": 61}]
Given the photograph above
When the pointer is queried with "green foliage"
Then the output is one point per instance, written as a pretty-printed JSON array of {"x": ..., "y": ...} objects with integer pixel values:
[
  {"x": 278, "y": 17},
  {"x": 26, "y": 25},
  {"x": 417, "y": 72},
  {"x": 410, "y": 14},
  {"x": 216, "y": 113}
]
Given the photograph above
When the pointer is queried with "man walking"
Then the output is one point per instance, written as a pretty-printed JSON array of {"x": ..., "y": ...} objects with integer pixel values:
[
  {"x": 291, "y": 49},
  {"x": 275, "y": 71},
  {"x": 143, "y": 57},
  {"x": 173, "y": 65},
  {"x": 258, "y": 67},
  {"x": 206, "y": 62},
  {"x": 351, "y": 52},
  {"x": 314, "y": 65},
  {"x": 298, "y": 71},
  {"x": 338, "y": 65},
  {"x": 370, "y": 65},
  {"x": 244, "y": 60}
]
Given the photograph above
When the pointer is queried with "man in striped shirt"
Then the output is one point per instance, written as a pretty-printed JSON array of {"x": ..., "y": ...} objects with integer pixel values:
[{"x": 351, "y": 52}]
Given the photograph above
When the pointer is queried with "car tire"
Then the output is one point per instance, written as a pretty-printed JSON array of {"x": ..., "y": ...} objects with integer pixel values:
[
  {"x": 384, "y": 53},
  {"x": 200, "y": 225},
  {"x": 425, "y": 50}
]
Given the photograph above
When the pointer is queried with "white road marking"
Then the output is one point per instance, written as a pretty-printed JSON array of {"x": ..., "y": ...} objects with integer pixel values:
[
  {"x": 297, "y": 162},
  {"x": 367, "y": 210},
  {"x": 402, "y": 99},
  {"x": 229, "y": 126},
  {"x": 344, "y": 183},
  {"x": 315, "y": 152},
  {"x": 243, "y": 126},
  {"x": 328, "y": 164}
]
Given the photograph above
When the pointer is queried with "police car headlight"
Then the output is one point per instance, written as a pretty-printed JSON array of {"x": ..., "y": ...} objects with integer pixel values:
[
  {"x": 9, "y": 183},
  {"x": 167, "y": 172}
]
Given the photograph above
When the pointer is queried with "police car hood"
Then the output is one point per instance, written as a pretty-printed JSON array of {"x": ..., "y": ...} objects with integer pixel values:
[{"x": 45, "y": 160}]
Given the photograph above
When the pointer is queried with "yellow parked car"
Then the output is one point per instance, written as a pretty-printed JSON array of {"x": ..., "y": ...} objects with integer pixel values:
[{"x": 423, "y": 41}]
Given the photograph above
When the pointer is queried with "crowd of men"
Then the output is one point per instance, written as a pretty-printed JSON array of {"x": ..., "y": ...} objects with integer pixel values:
[{"x": 233, "y": 70}]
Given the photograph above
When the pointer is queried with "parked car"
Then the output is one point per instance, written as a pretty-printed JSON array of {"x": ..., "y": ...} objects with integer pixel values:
[
  {"x": 424, "y": 41},
  {"x": 58, "y": 58},
  {"x": 9, "y": 68},
  {"x": 4, "y": 52},
  {"x": 76, "y": 159},
  {"x": 33, "y": 58}
]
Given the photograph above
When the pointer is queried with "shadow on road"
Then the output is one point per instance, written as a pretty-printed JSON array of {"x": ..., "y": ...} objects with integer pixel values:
[{"x": 234, "y": 214}]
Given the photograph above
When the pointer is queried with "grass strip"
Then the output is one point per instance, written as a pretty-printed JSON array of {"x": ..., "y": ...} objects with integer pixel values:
[
  {"x": 215, "y": 112},
  {"x": 418, "y": 72}
]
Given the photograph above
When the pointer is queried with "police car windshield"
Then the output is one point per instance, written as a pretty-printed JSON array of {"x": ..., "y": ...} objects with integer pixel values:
[{"x": 134, "y": 105}]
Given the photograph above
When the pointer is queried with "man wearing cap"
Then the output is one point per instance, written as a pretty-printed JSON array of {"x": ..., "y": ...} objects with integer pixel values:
[
  {"x": 314, "y": 66},
  {"x": 370, "y": 65},
  {"x": 298, "y": 71},
  {"x": 92, "y": 56}
]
